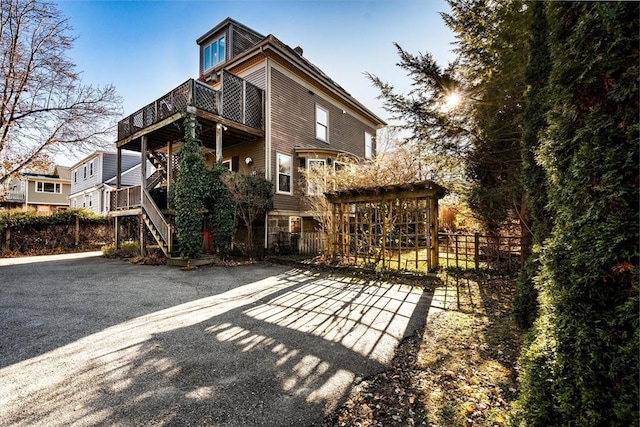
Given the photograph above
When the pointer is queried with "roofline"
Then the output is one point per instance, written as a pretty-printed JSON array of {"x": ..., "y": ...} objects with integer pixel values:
[
  {"x": 287, "y": 53},
  {"x": 222, "y": 24},
  {"x": 98, "y": 152}
]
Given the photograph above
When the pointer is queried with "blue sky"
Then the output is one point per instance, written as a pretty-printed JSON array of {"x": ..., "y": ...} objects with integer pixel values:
[{"x": 146, "y": 48}]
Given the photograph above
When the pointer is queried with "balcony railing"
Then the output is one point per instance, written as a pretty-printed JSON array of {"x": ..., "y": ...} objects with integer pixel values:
[
  {"x": 15, "y": 196},
  {"x": 126, "y": 198},
  {"x": 238, "y": 100}
]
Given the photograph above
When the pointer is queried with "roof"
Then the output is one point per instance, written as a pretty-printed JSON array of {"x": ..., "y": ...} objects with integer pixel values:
[
  {"x": 296, "y": 58},
  {"x": 99, "y": 153},
  {"x": 223, "y": 24},
  {"x": 59, "y": 172},
  {"x": 417, "y": 188}
]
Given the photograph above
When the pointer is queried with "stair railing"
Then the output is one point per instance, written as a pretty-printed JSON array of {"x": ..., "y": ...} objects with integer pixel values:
[{"x": 157, "y": 219}]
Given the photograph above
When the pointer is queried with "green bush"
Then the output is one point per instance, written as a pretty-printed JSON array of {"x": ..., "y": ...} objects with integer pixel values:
[
  {"x": 128, "y": 249},
  {"x": 20, "y": 219}
]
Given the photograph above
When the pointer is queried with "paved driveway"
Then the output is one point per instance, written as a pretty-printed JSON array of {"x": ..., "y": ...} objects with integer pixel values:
[{"x": 92, "y": 341}]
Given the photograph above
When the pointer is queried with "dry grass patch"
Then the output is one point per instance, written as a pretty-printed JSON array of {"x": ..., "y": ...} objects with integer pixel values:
[{"x": 460, "y": 372}]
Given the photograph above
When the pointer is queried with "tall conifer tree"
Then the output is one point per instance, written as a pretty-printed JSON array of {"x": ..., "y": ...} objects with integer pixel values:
[{"x": 582, "y": 368}]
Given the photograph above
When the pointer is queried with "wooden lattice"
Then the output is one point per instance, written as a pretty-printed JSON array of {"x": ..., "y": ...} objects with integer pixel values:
[
  {"x": 232, "y": 97},
  {"x": 392, "y": 227}
]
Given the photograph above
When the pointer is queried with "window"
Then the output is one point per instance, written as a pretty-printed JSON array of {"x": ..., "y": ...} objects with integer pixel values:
[
  {"x": 316, "y": 186},
  {"x": 284, "y": 174},
  {"x": 75, "y": 177},
  {"x": 91, "y": 169},
  {"x": 227, "y": 164},
  {"x": 295, "y": 226},
  {"x": 214, "y": 53},
  {"x": 368, "y": 145},
  {"x": 48, "y": 187},
  {"x": 74, "y": 203},
  {"x": 85, "y": 171},
  {"x": 322, "y": 124}
]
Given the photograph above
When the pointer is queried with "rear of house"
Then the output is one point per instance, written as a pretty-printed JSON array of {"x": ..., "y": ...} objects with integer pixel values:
[{"x": 264, "y": 109}]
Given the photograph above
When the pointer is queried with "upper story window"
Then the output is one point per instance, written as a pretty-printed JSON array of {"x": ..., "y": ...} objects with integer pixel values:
[
  {"x": 368, "y": 145},
  {"x": 284, "y": 174},
  {"x": 48, "y": 187},
  {"x": 214, "y": 53},
  {"x": 91, "y": 169},
  {"x": 322, "y": 124},
  {"x": 75, "y": 176}
]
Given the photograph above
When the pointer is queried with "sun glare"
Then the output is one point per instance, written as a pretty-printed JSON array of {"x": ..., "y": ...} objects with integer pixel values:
[{"x": 451, "y": 101}]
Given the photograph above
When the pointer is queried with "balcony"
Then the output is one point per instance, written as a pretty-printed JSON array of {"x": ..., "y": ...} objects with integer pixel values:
[
  {"x": 239, "y": 105},
  {"x": 15, "y": 196}
]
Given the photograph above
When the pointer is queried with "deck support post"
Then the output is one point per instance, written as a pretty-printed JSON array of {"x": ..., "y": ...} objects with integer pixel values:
[
  {"x": 143, "y": 162},
  {"x": 116, "y": 219},
  {"x": 218, "y": 143}
]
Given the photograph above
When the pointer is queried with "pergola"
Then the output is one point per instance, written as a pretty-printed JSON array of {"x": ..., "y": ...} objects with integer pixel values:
[{"x": 388, "y": 227}]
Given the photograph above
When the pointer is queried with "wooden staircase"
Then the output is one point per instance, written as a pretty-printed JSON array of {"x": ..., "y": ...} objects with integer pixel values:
[{"x": 156, "y": 222}]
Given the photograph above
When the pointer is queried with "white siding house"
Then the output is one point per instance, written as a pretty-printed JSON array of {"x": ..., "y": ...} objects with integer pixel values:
[{"x": 93, "y": 177}]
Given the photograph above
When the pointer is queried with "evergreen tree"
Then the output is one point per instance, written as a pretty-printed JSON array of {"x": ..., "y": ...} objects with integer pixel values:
[
  {"x": 582, "y": 367},
  {"x": 536, "y": 216}
]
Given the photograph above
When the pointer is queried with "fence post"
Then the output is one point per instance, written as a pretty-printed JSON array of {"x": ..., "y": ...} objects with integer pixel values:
[
  {"x": 476, "y": 249},
  {"x": 456, "y": 240},
  {"x": 7, "y": 236},
  {"x": 76, "y": 234}
]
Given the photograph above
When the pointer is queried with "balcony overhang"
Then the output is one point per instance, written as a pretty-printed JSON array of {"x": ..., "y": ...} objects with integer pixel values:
[{"x": 238, "y": 109}]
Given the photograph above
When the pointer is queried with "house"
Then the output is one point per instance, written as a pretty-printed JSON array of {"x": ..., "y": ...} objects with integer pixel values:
[
  {"x": 42, "y": 192},
  {"x": 93, "y": 179},
  {"x": 263, "y": 109}
]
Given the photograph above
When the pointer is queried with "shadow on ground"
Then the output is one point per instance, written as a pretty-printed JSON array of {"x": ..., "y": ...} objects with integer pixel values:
[{"x": 282, "y": 350}]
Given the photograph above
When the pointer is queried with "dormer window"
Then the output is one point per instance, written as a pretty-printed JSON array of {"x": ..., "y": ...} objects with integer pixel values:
[{"x": 214, "y": 53}]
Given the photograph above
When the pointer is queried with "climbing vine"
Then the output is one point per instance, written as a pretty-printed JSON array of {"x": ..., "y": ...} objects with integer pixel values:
[{"x": 189, "y": 191}]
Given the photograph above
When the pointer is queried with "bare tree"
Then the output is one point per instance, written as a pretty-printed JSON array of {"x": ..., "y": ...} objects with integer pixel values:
[{"x": 46, "y": 109}]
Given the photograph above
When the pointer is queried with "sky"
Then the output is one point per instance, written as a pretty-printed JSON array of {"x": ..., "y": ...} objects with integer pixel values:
[{"x": 147, "y": 48}]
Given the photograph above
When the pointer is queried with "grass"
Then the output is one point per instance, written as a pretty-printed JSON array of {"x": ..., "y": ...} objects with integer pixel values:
[{"x": 459, "y": 372}]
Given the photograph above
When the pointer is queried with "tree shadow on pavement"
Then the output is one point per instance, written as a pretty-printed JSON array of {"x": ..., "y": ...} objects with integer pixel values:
[{"x": 281, "y": 351}]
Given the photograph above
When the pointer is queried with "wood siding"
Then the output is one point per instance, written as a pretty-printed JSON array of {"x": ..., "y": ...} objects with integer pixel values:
[
  {"x": 242, "y": 40},
  {"x": 293, "y": 125},
  {"x": 257, "y": 77},
  {"x": 254, "y": 149},
  {"x": 48, "y": 198}
]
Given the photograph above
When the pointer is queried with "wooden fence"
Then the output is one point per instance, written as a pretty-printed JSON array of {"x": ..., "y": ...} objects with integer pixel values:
[
  {"x": 78, "y": 234},
  {"x": 474, "y": 251}
]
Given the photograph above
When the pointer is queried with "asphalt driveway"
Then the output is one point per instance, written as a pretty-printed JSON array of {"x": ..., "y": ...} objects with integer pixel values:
[{"x": 91, "y": 341}]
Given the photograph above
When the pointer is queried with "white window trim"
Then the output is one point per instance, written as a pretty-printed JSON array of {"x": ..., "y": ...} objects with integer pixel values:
[
  {"x": 57, "y": 187},
  {"x": 368, "y": 146},
  {"x": 227, "y": 164},
  {"x": 325, "y": 125},
  {"x": 324, "y": 164},
  {"x": 205, "y": 66},
  {"x": 278, "y": 191}
]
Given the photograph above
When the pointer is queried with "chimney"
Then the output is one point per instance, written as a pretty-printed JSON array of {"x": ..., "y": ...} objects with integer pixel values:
[{"x": 298, "y": 50}]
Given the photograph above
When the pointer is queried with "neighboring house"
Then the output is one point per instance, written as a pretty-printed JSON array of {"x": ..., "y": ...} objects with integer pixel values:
[
  {"x": 263, "y": 109},
  {"x": 93, "y": 178},
  {"x": 44, "y": 193}
]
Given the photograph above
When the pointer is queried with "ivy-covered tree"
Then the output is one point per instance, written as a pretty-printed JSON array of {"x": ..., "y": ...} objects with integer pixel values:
[
  {"x": 582, "y": 365},
  {"x": 252, "y": 197},
  {"x": 221, "y": 208},
  {"x": 189, "y": 191}
]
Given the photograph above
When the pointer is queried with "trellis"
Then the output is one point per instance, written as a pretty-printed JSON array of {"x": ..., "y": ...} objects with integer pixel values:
[{"x": 389, "y": 227}]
